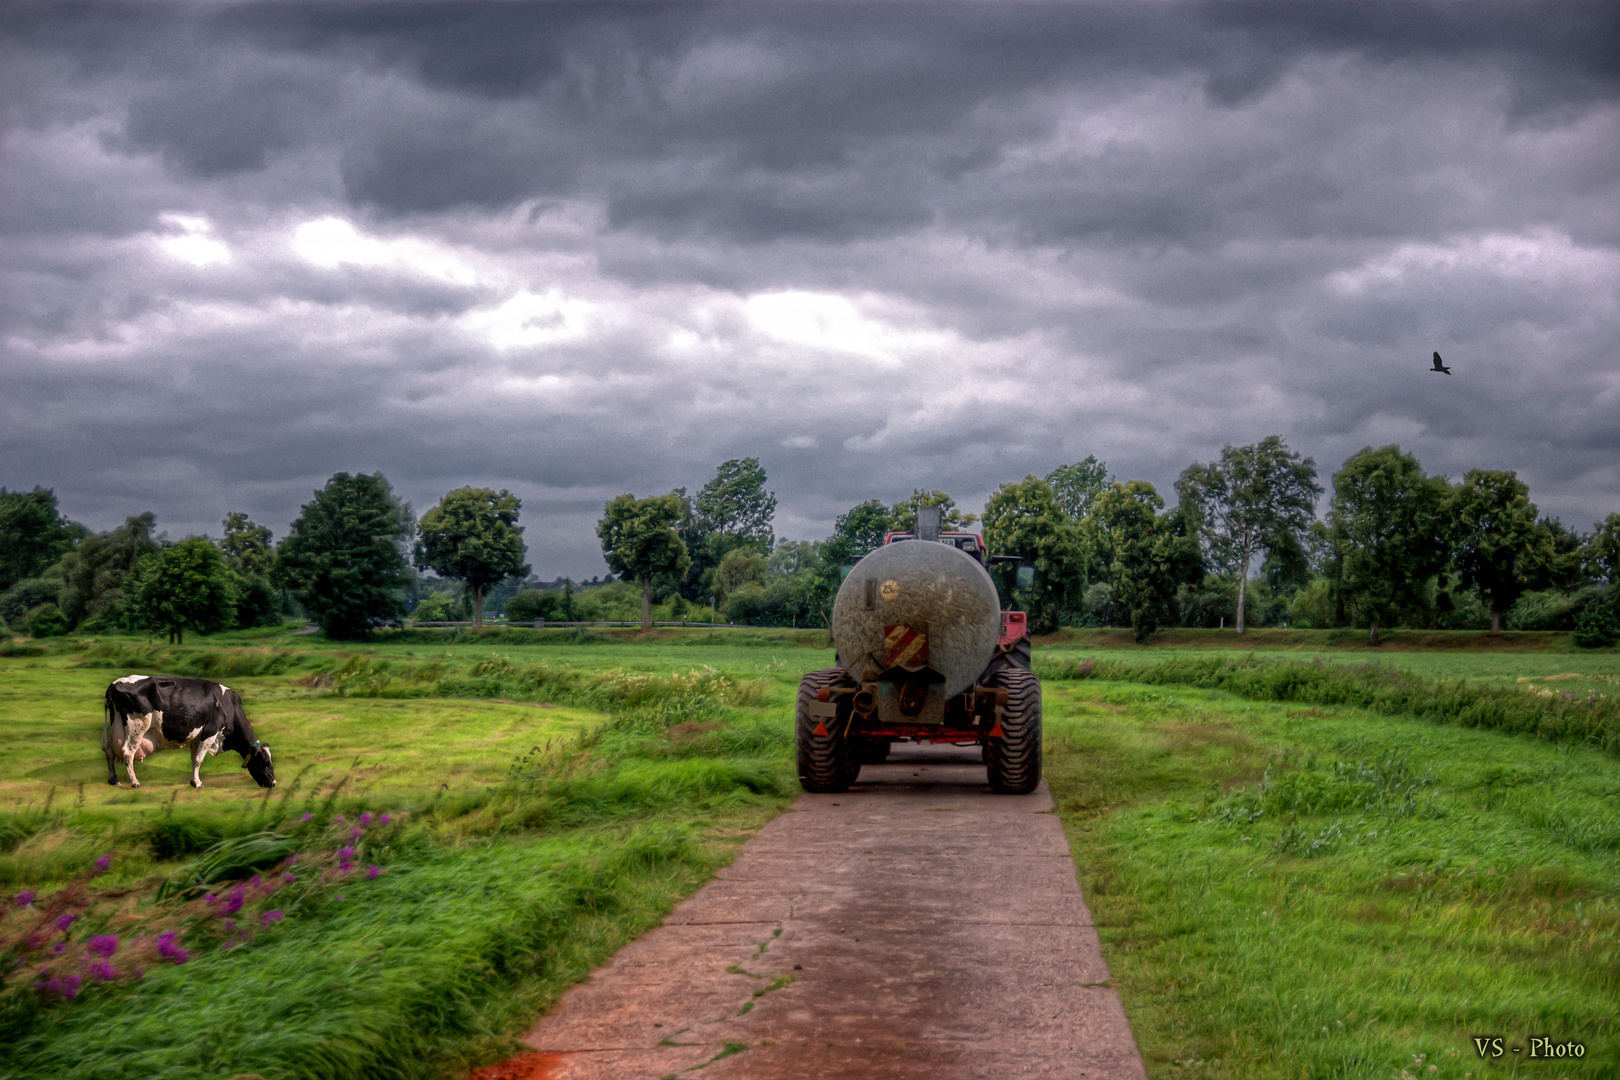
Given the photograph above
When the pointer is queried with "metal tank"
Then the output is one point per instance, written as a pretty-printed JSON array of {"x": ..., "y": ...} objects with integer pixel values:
[{"x": 921, "y": 620}]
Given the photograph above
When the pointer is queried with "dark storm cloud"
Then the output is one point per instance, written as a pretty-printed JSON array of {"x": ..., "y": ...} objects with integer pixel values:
[{"x": 578, "y": 249}]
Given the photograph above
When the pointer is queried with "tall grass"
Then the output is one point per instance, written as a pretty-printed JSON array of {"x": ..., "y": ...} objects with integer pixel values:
[
  {"x": 319, "y": 946},
  {"x": 1593, "y": 720}
]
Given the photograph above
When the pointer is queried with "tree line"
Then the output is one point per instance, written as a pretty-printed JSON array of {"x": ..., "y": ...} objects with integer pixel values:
[
  {"x": 1396, "y": 547},
  {"x": 1242, "y": 546},
  {"x": 346, "y": 561}
]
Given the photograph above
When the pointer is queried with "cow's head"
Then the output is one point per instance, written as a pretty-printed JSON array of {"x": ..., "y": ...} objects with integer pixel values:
[{"x": 259, "y": 767}]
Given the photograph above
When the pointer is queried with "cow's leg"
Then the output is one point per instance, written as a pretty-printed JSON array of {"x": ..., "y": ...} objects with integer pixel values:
[
  {"x": 112, "y": 734},
  {"x": 135, "y": 729},
  {"x": 199, "y": 750}
]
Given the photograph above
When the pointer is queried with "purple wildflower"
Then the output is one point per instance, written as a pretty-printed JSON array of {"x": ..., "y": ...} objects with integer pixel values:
[
  {"x": 66, "y": 985},
  {"x": 355, "y": 834},
  {"x": 373, "y": 871},
  {"x": 346, "y": 854},
  {"x": 65, "y": 921},
  {"x": 254, "y": 882},
  {"x": 292, "y": 859},
  {"x": 307, "y": 817},
  {"x": 230, "y": 926},
  {"x": 59, "y": 947},
  {"x": 103, "y": 863},
  {"x": 384, "y": 820},
  {"x": 25, "y": 898},
  {"x": 289, "y": 878},
  {"x": 365, "y": 818},
  {"x": 340, "y": 896},
  {"x": 233, "y": 902},
  {"x": 105, "y": 945},
  {"x": 103, "y": 971},
  {"x": 271, "y": 917},
  {"x": 338, "y": 820},
  {"x": 169, "y": 950}
]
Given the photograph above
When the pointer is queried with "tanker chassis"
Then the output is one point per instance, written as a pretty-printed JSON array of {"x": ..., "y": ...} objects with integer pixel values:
[{"x": 924, "y": 653}]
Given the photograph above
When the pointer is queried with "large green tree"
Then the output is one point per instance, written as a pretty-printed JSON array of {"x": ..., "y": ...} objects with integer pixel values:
[
  {"x": 33, "y": 535},
  {"x": 1077, "y": 485},
  {"x": 344, "y": 558},
  {"x": 1255, "y": 500},
  {"x": 248, "y": 545},
  {"x": 903, "y": 514},
  {"x": 95, "y": 576},
  {"x": 858, "y": 532},
  {"x": 1148, "y": 555},
  {"x": 1498, "y": 546},
  {"x": 1603, "y": 552},
  {"x": 473, "y": 535},
  {"x": 739, "y": 569},
  {"x": 186, "y": 586},
  {"x": 1026, "y": 519},
  {"x": 639, "y": 541},
  {"x": 732, "y": 510},
  {"x": 1386, "y": 523},
  {"x": 248, "y": 550}
]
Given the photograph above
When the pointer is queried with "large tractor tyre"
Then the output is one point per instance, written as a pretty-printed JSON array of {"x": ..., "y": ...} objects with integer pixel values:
[
  {"x": 1013, "y": 758},
  {"x": 826, "y": 758},
  {"x": 1017, "y": 657}
]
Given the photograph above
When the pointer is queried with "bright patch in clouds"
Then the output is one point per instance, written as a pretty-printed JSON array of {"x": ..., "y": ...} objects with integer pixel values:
[
  {"x": 1539, "y": 254},
  {"x": 834, "y": 324},
  {"x": 190, "y": 241},
  {"x": 530, "y": 320},
  {"x": 331, "y": 242}
]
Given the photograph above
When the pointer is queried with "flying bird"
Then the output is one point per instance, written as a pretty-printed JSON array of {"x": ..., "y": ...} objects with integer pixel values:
[{"x": 1438, "y": 366}]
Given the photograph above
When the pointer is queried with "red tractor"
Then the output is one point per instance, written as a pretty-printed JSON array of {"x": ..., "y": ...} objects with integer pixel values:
[{"x": 925, "y": 653}]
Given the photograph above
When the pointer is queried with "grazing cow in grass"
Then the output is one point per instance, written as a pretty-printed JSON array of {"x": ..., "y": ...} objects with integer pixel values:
[{"x": 148, "y": 713}]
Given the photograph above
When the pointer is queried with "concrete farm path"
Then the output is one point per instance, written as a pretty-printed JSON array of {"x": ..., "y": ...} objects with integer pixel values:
[{"x": 917, "y": 926}]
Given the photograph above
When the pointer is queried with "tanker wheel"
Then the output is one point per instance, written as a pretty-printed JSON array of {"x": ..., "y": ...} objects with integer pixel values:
[
  {"x": 826, "y": 759},
  {"x": 1013, "y": 759}
]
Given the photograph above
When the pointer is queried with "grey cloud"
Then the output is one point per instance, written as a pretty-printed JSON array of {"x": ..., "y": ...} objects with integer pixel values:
[{"x": 1139, "y": 231}]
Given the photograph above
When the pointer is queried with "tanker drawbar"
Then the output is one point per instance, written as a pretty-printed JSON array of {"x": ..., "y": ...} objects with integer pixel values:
[{"x": 925, "y": 653}]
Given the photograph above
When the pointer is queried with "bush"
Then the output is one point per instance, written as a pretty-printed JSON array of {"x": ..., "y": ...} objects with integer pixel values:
[
  {"x": 1099, "y": 609},
  {"x": 1596, "y": 627},
  {"x": 1547, "y": 610},
  {"x": 17, "y": 602},
  {"x": 436, "y": 608},
  {"x": 47, "y": 620},
  {"x": 532, "y": 604}
]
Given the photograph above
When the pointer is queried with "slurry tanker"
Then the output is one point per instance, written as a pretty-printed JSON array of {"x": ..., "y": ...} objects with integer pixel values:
[{"x": 924, "y": 653}]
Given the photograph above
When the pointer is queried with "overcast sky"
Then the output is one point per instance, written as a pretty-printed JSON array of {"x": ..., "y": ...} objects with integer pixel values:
[{"x": 575, "y": 250}]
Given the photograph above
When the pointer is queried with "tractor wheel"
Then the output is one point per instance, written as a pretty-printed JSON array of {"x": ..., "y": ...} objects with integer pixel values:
[
  {"x": 825, "y": 755},
  {"x": 1013, "y": 758}
]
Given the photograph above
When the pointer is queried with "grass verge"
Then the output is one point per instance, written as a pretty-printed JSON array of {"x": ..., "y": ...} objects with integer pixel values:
[{"x": 1323, "y": 892}]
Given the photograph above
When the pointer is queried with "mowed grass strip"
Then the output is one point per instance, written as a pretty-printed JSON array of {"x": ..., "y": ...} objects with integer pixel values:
[{"x": 1321, "y": 892}]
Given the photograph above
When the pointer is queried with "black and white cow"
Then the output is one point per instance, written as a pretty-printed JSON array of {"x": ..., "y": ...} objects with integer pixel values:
[{"x": 147, "y": 713}]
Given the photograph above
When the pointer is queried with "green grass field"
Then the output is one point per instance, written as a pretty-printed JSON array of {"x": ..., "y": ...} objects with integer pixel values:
[{"x": 1283, "y": 890}]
